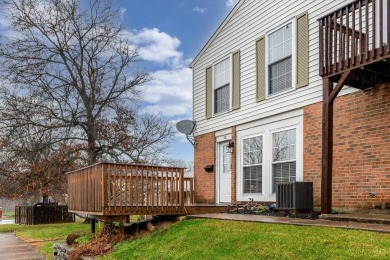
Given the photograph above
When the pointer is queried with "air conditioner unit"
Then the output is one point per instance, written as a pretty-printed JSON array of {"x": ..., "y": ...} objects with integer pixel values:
[{"x": 294, "y": 196}]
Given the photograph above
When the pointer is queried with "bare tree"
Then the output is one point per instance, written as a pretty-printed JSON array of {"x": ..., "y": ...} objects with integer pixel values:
[
  {"x": 30, "y": 168},
  {"x": 69, "y": 68}
]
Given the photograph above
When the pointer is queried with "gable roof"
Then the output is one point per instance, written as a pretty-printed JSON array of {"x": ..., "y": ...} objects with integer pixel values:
[{"x": 215, "y": 34}]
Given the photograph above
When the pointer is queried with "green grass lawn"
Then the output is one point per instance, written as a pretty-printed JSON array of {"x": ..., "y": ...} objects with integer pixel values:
[
  {"x": 44, "y": 236},
  {"x": 9, "y": 214},
  {"x": 214, "y": 239}
]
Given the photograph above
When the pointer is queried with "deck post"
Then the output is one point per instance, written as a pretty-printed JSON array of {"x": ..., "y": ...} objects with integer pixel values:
[
  {"x": 93, "y": 225},
  {"x": 329, "y": 95},
  {"x": 181, "y": 194},
  {"x": 327, "y": 147},
  {"x": 104, "y": 179}
]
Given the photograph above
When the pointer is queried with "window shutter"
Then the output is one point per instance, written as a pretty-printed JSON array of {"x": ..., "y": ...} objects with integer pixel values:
[
  {"x": 260, "y": 69},
  {"x": 302, "y": 50},
  {"x": 209, "y": 93},
  {"x": 236, "y": 81}
]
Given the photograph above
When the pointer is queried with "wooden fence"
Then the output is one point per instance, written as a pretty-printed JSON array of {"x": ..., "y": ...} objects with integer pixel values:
[
  {"x": 125, "y": 189},
  {"x": 42, "y": 214}
]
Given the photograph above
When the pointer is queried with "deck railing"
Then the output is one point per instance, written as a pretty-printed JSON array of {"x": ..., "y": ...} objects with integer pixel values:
[
  {"x": 124, "y": 189},
  {"x": 353, "y": 36}
]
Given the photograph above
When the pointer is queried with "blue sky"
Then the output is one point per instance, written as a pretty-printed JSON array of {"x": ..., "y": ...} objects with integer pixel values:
[{"x": 169, "y": 34}]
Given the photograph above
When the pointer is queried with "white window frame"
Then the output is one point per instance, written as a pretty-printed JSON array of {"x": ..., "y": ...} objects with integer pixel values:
[
  {"x": 230, "y": 56},
  {"x": 242, "y": 165},
  {"x": 296, "y": 152},
  {"x": 265, "y": 127},
  {"x": 293, "y": 59}
]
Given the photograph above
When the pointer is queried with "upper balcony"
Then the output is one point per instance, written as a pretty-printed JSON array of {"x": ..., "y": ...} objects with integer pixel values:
[{"x": 356, "y": 38}]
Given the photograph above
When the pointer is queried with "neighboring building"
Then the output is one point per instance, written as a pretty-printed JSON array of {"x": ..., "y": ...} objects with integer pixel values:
[{"x": 256, "y": 87}]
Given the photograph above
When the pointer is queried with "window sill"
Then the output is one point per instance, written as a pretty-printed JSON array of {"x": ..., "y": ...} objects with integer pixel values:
[
  {"x": 269, "y": 97},
  {"x": 248, "y": 195},
  {"x": 221, "y": 113}
]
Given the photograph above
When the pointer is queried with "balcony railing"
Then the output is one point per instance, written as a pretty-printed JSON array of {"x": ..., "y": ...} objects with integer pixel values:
[
  {"x": 354, "y": 36},
  {"x": 123, "y": 189}
]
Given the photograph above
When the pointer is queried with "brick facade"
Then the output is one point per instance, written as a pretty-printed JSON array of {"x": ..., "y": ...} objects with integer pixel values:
[
  {"x": 204, "y": 181},
  {"x": 361, "y": 151}
]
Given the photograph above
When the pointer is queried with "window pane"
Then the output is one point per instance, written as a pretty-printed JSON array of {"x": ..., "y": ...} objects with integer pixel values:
[
  {"x": 253, "y": 150},
  {"x": 280, "y": 76},
  {"x": 222, "y": 73},
  {"x": 280, "y": 44},
  {"x": 221, "y": 99},
  {"x": 253, "y": 179},
  {"x": 226, "y": 161},
  {"x": 222, "y": 86},
  {"x": 279, "y": 60},
  {"x": 252, "y": 159},
  {"x": 284, "y": 145},
  {"x": 246, "y": 145},
  {"x": 283, "y": 172}
]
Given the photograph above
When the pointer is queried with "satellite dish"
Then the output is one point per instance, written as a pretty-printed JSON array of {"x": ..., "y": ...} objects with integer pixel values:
[{"x": 186, "y": 126}]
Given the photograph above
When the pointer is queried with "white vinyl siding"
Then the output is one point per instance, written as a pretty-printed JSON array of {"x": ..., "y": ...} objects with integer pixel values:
[
  {"x": 280, "y": 60},
  {"x": 222, "y": 77},
  {"x": 247, "y": 23},
  {"x": 252, "y": 164},
  {"x": 284, "y": 153}
]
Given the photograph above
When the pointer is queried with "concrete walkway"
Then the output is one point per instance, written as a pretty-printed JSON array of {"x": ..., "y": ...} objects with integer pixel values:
[
  {"x": 13, "y": 248},
  {"x": 297, "y": 221}
]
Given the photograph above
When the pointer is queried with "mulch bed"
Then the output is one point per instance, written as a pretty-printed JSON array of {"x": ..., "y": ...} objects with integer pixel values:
[{"x": 272, "y": 211}]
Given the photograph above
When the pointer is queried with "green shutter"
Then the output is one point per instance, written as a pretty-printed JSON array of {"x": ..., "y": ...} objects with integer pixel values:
[
  {"x": 302, "y": 50},
  {"x": 209, "y": 93},
  {"x": 236, "y": 81},
  {"x": 260, "y": 69}
]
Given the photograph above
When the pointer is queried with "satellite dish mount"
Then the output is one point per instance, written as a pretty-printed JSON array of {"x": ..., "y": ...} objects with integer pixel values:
[{"x": 187, "y": 127}]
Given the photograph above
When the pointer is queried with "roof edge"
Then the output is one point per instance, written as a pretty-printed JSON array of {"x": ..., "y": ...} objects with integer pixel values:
[{"x": 219, "y": 29}]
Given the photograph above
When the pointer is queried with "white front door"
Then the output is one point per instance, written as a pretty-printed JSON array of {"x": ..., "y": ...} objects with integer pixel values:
[{"x": 224, "y": 174}]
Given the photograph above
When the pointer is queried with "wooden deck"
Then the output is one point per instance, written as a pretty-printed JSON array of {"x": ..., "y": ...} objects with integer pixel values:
[
  {"x": 356, "y": 39},
  {"x": 108, "y": 190},
  {"x": 354, "y": 50}
]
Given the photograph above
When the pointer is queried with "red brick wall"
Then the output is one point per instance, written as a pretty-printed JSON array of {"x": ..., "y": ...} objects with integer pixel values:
[
  {"x": 204, "y": 181},
  {"x": 361, "y": 153}
]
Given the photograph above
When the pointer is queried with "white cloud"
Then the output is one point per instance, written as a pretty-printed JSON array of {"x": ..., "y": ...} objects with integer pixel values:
[
  {"x": 122, "y": 12},
  {"x": 170, "y": 93},
  {"x": 200, "y": 10},
  {"x": 157, "y": 46},
  {"x": 231, "y": 3}
]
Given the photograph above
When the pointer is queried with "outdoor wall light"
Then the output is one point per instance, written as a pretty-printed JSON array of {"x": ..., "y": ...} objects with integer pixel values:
[
  {"x": 230, "y": 147},
  {"x": 372, "y": 194}
]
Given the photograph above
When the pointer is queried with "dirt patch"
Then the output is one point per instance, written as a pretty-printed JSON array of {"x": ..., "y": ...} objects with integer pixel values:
[{"x": 103, "y": 242}]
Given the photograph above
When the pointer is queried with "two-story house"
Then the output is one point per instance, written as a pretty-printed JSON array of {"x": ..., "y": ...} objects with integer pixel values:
[{"x": 265, "y": 106}]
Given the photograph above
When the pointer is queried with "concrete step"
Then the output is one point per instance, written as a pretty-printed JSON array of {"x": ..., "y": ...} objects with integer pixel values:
[{"x": 383, "y": 219}]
